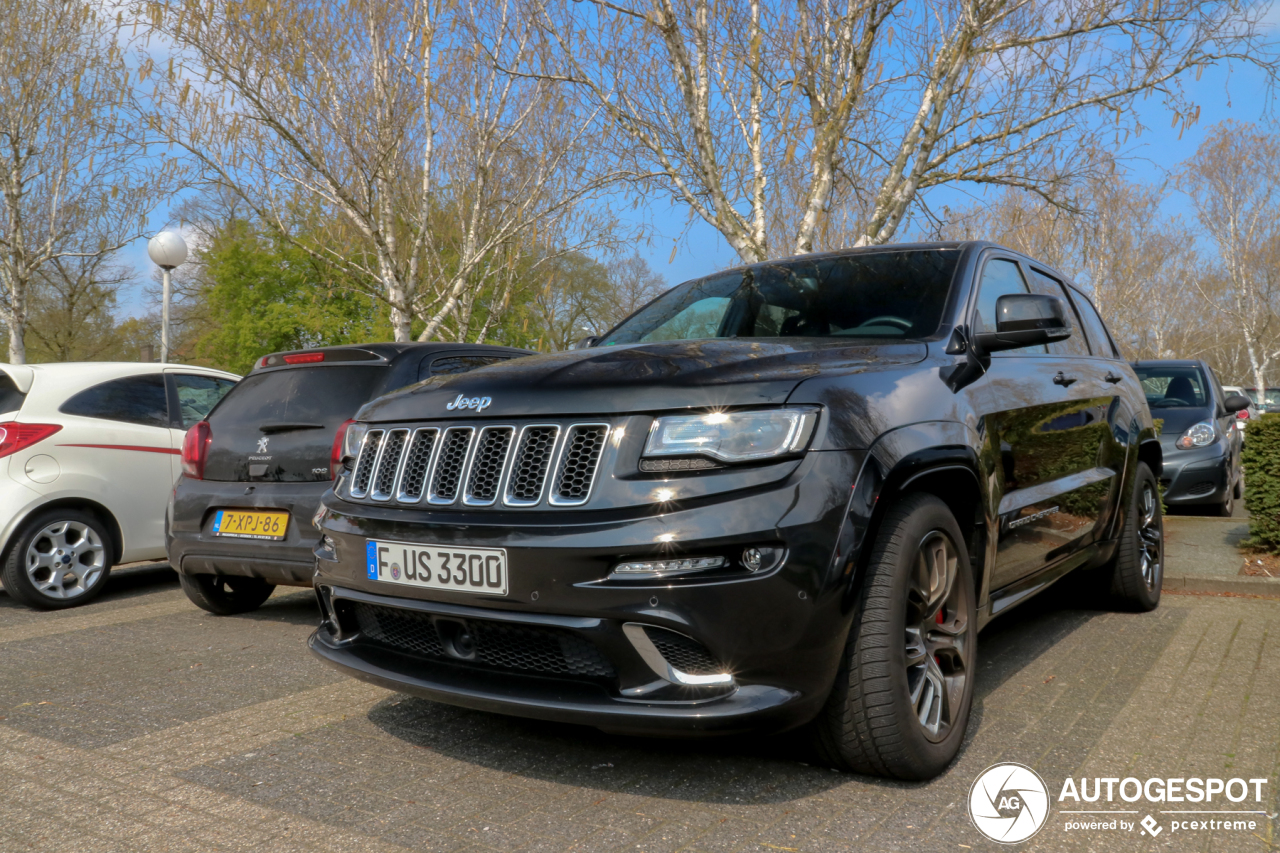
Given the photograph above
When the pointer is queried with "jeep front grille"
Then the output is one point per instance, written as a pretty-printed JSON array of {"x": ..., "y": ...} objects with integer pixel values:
[{"x": 475, "y": 466}]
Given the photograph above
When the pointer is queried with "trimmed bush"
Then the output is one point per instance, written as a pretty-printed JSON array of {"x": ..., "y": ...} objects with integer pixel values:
[{"x": 1262, "y": 466}]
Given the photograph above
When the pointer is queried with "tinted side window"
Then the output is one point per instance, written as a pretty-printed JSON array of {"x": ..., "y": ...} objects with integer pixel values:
[
  {"x": 133, "y": 399},
  {"x": 1050, "y": 286},
  {"x": 304, "y": 395},
  {"x": 453, "y": 364},
  {"x": 1000, "y": 277},
  {"x": 10, "y": 397},
  {"x": 197, "y": 395},
  {"x": 1099, "y": 340}
]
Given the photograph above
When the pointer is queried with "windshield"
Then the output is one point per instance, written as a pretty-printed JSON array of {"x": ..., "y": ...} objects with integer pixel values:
[
  {"x": 887, "y": 294},
  {"x": 1173, "y": 387}
]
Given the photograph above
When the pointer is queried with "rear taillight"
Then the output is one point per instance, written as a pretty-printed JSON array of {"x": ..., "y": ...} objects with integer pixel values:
[
  {"x": 1243, "y": 414},
  {"x": 195, "y": 449},
  {"x": 337, "y": 453},
  {"x": 15, "y": 436}
]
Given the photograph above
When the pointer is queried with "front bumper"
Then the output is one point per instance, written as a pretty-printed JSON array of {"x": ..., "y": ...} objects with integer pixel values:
[
  {"x": 568, "y": 634},
  {"x": 194, "y": 550},
  {"x": 1195, "y": 477}
]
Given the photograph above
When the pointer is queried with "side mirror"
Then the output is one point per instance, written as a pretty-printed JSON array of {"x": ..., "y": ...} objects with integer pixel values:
[
  {"x": 585, "y": 343},
  {"x": 1235, "y": 403},
  {"x": 1025, "y": 320}
]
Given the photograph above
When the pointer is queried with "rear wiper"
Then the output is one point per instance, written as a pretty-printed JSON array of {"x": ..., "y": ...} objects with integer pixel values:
[{"x": 270, "y": 428}]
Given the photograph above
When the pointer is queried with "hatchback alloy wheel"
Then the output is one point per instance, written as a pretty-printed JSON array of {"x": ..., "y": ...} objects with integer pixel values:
[
  {"x": 65, "y": 559},
  {"x": 937, "y": 631}
]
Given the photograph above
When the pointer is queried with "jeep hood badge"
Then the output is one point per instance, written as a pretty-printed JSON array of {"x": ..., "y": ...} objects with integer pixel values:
[{"x": 477, "y": 403}]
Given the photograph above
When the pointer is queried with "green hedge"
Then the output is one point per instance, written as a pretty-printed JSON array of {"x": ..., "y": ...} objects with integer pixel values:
[{"x": 1262, "y": 466}]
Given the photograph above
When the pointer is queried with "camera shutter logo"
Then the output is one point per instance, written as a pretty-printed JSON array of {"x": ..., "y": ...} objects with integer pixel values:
[{"x": 1009, "y": 803}]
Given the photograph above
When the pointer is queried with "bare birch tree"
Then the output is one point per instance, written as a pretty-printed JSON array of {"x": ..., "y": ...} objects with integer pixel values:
[
  {"x": 394, "y": 116},
  {"x": 790, "y": 126},
  {"x": 75, "y": 180},
  {"x": 1234, "y": 183}
]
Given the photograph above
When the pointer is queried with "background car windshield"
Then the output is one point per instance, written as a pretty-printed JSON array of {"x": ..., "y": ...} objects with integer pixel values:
[
  {"x": 1170, "y": 387},
  {"x": 890, "y": 294}
]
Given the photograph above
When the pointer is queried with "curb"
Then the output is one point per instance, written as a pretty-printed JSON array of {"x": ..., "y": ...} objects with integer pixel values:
[{"x": 1265, "y": 587}]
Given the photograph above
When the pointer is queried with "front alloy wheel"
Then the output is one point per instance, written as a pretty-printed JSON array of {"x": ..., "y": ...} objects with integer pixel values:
[
  {"x": 902, "y": 694},
  {"x": 937, "y": 633}
]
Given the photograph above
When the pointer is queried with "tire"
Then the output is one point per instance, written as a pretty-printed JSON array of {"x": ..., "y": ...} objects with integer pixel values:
[
  {"x": 1138, "y": 568},
  {"x": 872, "y": 722},
  {"x": 1239, "y": 487},
  {"x": 60, "y": 558},
  {"x": 226, "y": 595},
  {"x": 1228, "y": 504}
]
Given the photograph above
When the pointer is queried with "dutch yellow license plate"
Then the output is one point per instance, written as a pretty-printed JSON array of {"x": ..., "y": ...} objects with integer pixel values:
[{"x": 251, "y": 524}]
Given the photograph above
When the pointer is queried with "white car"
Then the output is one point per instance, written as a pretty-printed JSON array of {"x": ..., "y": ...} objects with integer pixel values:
[{"x": 89, "y": 453}]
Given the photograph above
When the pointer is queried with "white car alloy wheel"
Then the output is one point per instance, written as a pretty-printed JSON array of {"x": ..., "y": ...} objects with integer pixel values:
[{"x": 65, "y": 559}]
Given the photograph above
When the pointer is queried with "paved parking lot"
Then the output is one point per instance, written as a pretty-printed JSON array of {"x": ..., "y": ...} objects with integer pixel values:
[{"x": 140, "y": 723}]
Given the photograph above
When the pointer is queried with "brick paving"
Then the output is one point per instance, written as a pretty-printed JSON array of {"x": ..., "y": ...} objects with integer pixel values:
[{"x": 140, "y": 723}]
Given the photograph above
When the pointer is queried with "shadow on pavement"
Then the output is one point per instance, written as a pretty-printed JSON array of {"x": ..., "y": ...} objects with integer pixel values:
[
  {"x": 123, "y": 584},
  {"x": 768, "y": 768}
]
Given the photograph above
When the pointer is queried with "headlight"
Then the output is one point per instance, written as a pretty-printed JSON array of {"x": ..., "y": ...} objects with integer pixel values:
[
  {"x": 1200, "y": 435},
  {"x": 732, "y": 436},
  {"x": 355, "y": 436}
]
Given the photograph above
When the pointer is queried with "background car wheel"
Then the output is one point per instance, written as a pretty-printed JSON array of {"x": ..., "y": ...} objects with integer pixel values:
[
  {"x": 1239, "y": 489},
  {"x": 226, "y": 595},
  {"x": 1138, "y": 569},
  {"x": 902, "y": 695},
  {"x": 60, "y": 558},
  {"x": 1228, "y": 505}
]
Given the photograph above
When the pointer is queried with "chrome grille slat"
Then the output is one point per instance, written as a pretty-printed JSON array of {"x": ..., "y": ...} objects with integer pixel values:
[
  {"x": 576, "y": 469},
  {"x": 370, "y": 449},
  {"x": 388, "y": 467},
  {"x": 450, "y": 465},
  {"x": 488, "y": 463},
  {"x": 417, "y": 462},
  {"x": 461, "y": 464},
  {"x": 535, "y": 451}
]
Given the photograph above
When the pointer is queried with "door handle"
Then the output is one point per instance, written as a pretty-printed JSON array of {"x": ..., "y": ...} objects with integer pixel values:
[
  {"x": 1113, "y": 378},
  {"x": 1063, "y": 380}
]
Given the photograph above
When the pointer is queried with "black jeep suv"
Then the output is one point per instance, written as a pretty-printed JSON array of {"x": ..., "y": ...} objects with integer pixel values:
[
  {"x": 240, "y": 518},
  {"x": 788, "y": 494}
]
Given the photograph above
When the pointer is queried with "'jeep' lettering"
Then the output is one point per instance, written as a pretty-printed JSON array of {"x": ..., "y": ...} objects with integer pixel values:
[{"x": 477, "y": 403}]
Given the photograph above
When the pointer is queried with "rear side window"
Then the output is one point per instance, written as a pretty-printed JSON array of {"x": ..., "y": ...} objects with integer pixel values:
[
  {"x": 197, "y": 395},
  {"x": 324, "y": 396},
  {"x": 453, "y": 364},
  {"x": 1099, "y": 340},
  {"x": 133, "y": 400},
  {"x": 10, "y": 397},
  {"x": 1050, "y": 286}
]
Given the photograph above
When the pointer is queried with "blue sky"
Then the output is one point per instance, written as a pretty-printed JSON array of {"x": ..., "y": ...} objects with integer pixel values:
[{"x": 1238, "y": 93}]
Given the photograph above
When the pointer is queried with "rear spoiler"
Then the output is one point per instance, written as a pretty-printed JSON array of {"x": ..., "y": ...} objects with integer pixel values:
[{"x": 21, "y": 374}]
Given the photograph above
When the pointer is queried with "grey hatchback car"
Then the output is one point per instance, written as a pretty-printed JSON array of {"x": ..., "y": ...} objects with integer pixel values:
[{"x": 1200, "y": 442}]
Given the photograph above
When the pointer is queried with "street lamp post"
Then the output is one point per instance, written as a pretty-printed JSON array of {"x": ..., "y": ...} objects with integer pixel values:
[{"x": 168, "y": 250}]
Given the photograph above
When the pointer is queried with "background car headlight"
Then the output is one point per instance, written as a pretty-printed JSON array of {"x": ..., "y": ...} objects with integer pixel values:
[
  {"x": 732, "y": 436},
  {"x": 354, "y": 437},
  {"x": 1200, "y": 435}
]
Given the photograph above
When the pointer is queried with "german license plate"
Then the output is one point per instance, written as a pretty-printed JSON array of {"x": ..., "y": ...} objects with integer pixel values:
[
  {"x": 475, "y": 570},
  {"x": 251, "y": 524}
]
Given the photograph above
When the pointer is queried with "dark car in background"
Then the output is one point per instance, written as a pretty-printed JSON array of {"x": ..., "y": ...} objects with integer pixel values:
[
  {"x": 1199, "y": 438},
  {"x": 240, "y": 519},
  {"x": 787, "y": 494}
]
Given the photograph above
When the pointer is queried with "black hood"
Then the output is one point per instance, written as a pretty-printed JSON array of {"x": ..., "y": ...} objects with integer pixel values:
[
  {"x": 640, "y": 377},
  {"x": 1179, "y": 420}
]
